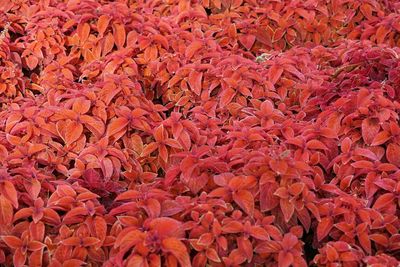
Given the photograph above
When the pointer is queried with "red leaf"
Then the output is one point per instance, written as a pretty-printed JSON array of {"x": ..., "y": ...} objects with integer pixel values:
[
  {"x": 149, "y": 149},
  {"x": 81, "y": 106},
  {"x": 73, "y": 131},
  {"x": 12, "y": 120},
  {"x": 245, "y": 200},
  {"x": 6, "y": 211},
  {"x": 268, "y": 247},
  {"x": 192, "y": 49},
  {"x": 259, "y": 233},
  {"x": 102, "y": 24},
  {"x": 206, "y": 239},
  {"x": 197, "y": 183},
  {"x": 380, "y": 239},
  {"x": 287, "y": 209},
  {"x": 83, "y": 31},
  {"x": 89, "y": 241},
  {"x": 100, "y": 228},
  {"x": 279, "y": 166},
  {"x": 137, "y": 261},
  {"x": 365, "y": 241},
  {"x": 381, "y": 138},
  {"x": 247, "y": 40},
  {"x": 35, "y": 245},
  {"x": 381, "y": 33},
  {"x": 19, "y": 258},
  {"x": 119, "y": 34},
  {"x": 167, "y": 227},
  {"x": 232, "y": 227},
  {"x": 285, "y": 259},
  {"x": 324, "y": 227},
  {"x": 75, "y": 212},
  {"x": 128, "y": 238},
  {"x": 268, "y": 200},
  {"x": 331, "y": 253},
  {"x": 173, "y": 143},
  {"x": 363, "y": 164},
  {"x": 274, "y": 73},
  {"x": 72, "y": 263},
  {"x": 71, "y": 241},
  {"x": 370, "y": 186},
  {"x": 35, "y": 148},
  {"x": 95, "y": 125},
  {"x": 194, "y": 81},
  {"x": 296, "y": 189},
  {"x": 264, "y": 36},
  {"x": 393, "y": 154},
  {"x": 245, "y": 247},
  {"x": 316, "y": 144},
  {"x": 365, "y": 153},
  {"x": 152, "y": 207},
  {"x": 282, "y": 192},
  {"x": 226, "y": 96},
  {"x": 383, "y": 201},
  {"x": 32, "y": 62},
  {"x": 212, "y": 255},
  {"x": 178, "y": 249},
  {"x": 36, "y": 258},
  {"x": 12, "y": 241},
  {"x": 160, "y": 134},
  {"x": 117, "y": 125},
  {"x": 10, "y": 193},
  {"x": 161, "y": 40},
  {"x": 369, "y": 128},
  {"x": 346, "y": 145}
]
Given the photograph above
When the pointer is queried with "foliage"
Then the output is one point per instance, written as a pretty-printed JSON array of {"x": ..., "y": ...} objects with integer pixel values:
[{"x": 199, "y": 133}]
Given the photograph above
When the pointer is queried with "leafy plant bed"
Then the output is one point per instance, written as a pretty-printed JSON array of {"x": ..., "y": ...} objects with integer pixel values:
[{"x": 199, "y": 133}]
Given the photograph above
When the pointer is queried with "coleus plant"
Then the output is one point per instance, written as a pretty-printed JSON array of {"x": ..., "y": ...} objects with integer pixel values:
[{"x": 199, "y": 133}]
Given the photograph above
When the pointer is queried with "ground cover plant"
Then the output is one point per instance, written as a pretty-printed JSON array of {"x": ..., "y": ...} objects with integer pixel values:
[{"x": 199, "y": 133}]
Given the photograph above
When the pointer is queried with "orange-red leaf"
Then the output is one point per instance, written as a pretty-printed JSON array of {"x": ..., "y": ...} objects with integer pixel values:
[
  {"x": 102, "y": 24},
  {"x": 381, "y": 138},
  {"x": 12, "y": 241},
  {"x": 324, "y": 227},
  {"x": 245, "y": 200},
  {"x": 226, "y": 96},
  {"x": 81, "y": 105},
  {"x": 393, "y": 154},
  {"x": 178, "y": 249},
  {"x": 381, "y": 33},
  {"x": 19, "y": 258},
  {"x": 194, "y": 81},
  {"x": 73, "y": 132},
  {"x": 119, "y": 35},
  {"x": 117, "y": 125},
  {"x": 192, "y": 49},
  {"x": 100, "y": 228},
  {"x": 274, "y": 73},
  {"x": 369, "y": 129},
  {"x": 287, "y": 209},
  {"x": 83, "y": 31},
  {"x": 10, "y": 193},
  {"x": 316, "y": 144},
  {"x": 149, "y": 149},
  {"x": 32, "y": 61},
  {"x": 383, "y": 201},
  {"x": 6, "y": 211},
  {"x": 212, "y": 255}
]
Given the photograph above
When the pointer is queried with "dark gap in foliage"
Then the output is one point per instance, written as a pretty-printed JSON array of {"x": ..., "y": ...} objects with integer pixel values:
[
  {"x": 108, "y": 201},
  {"x": 309, "y": 251},
  {"x": 161, "y": 173}
]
